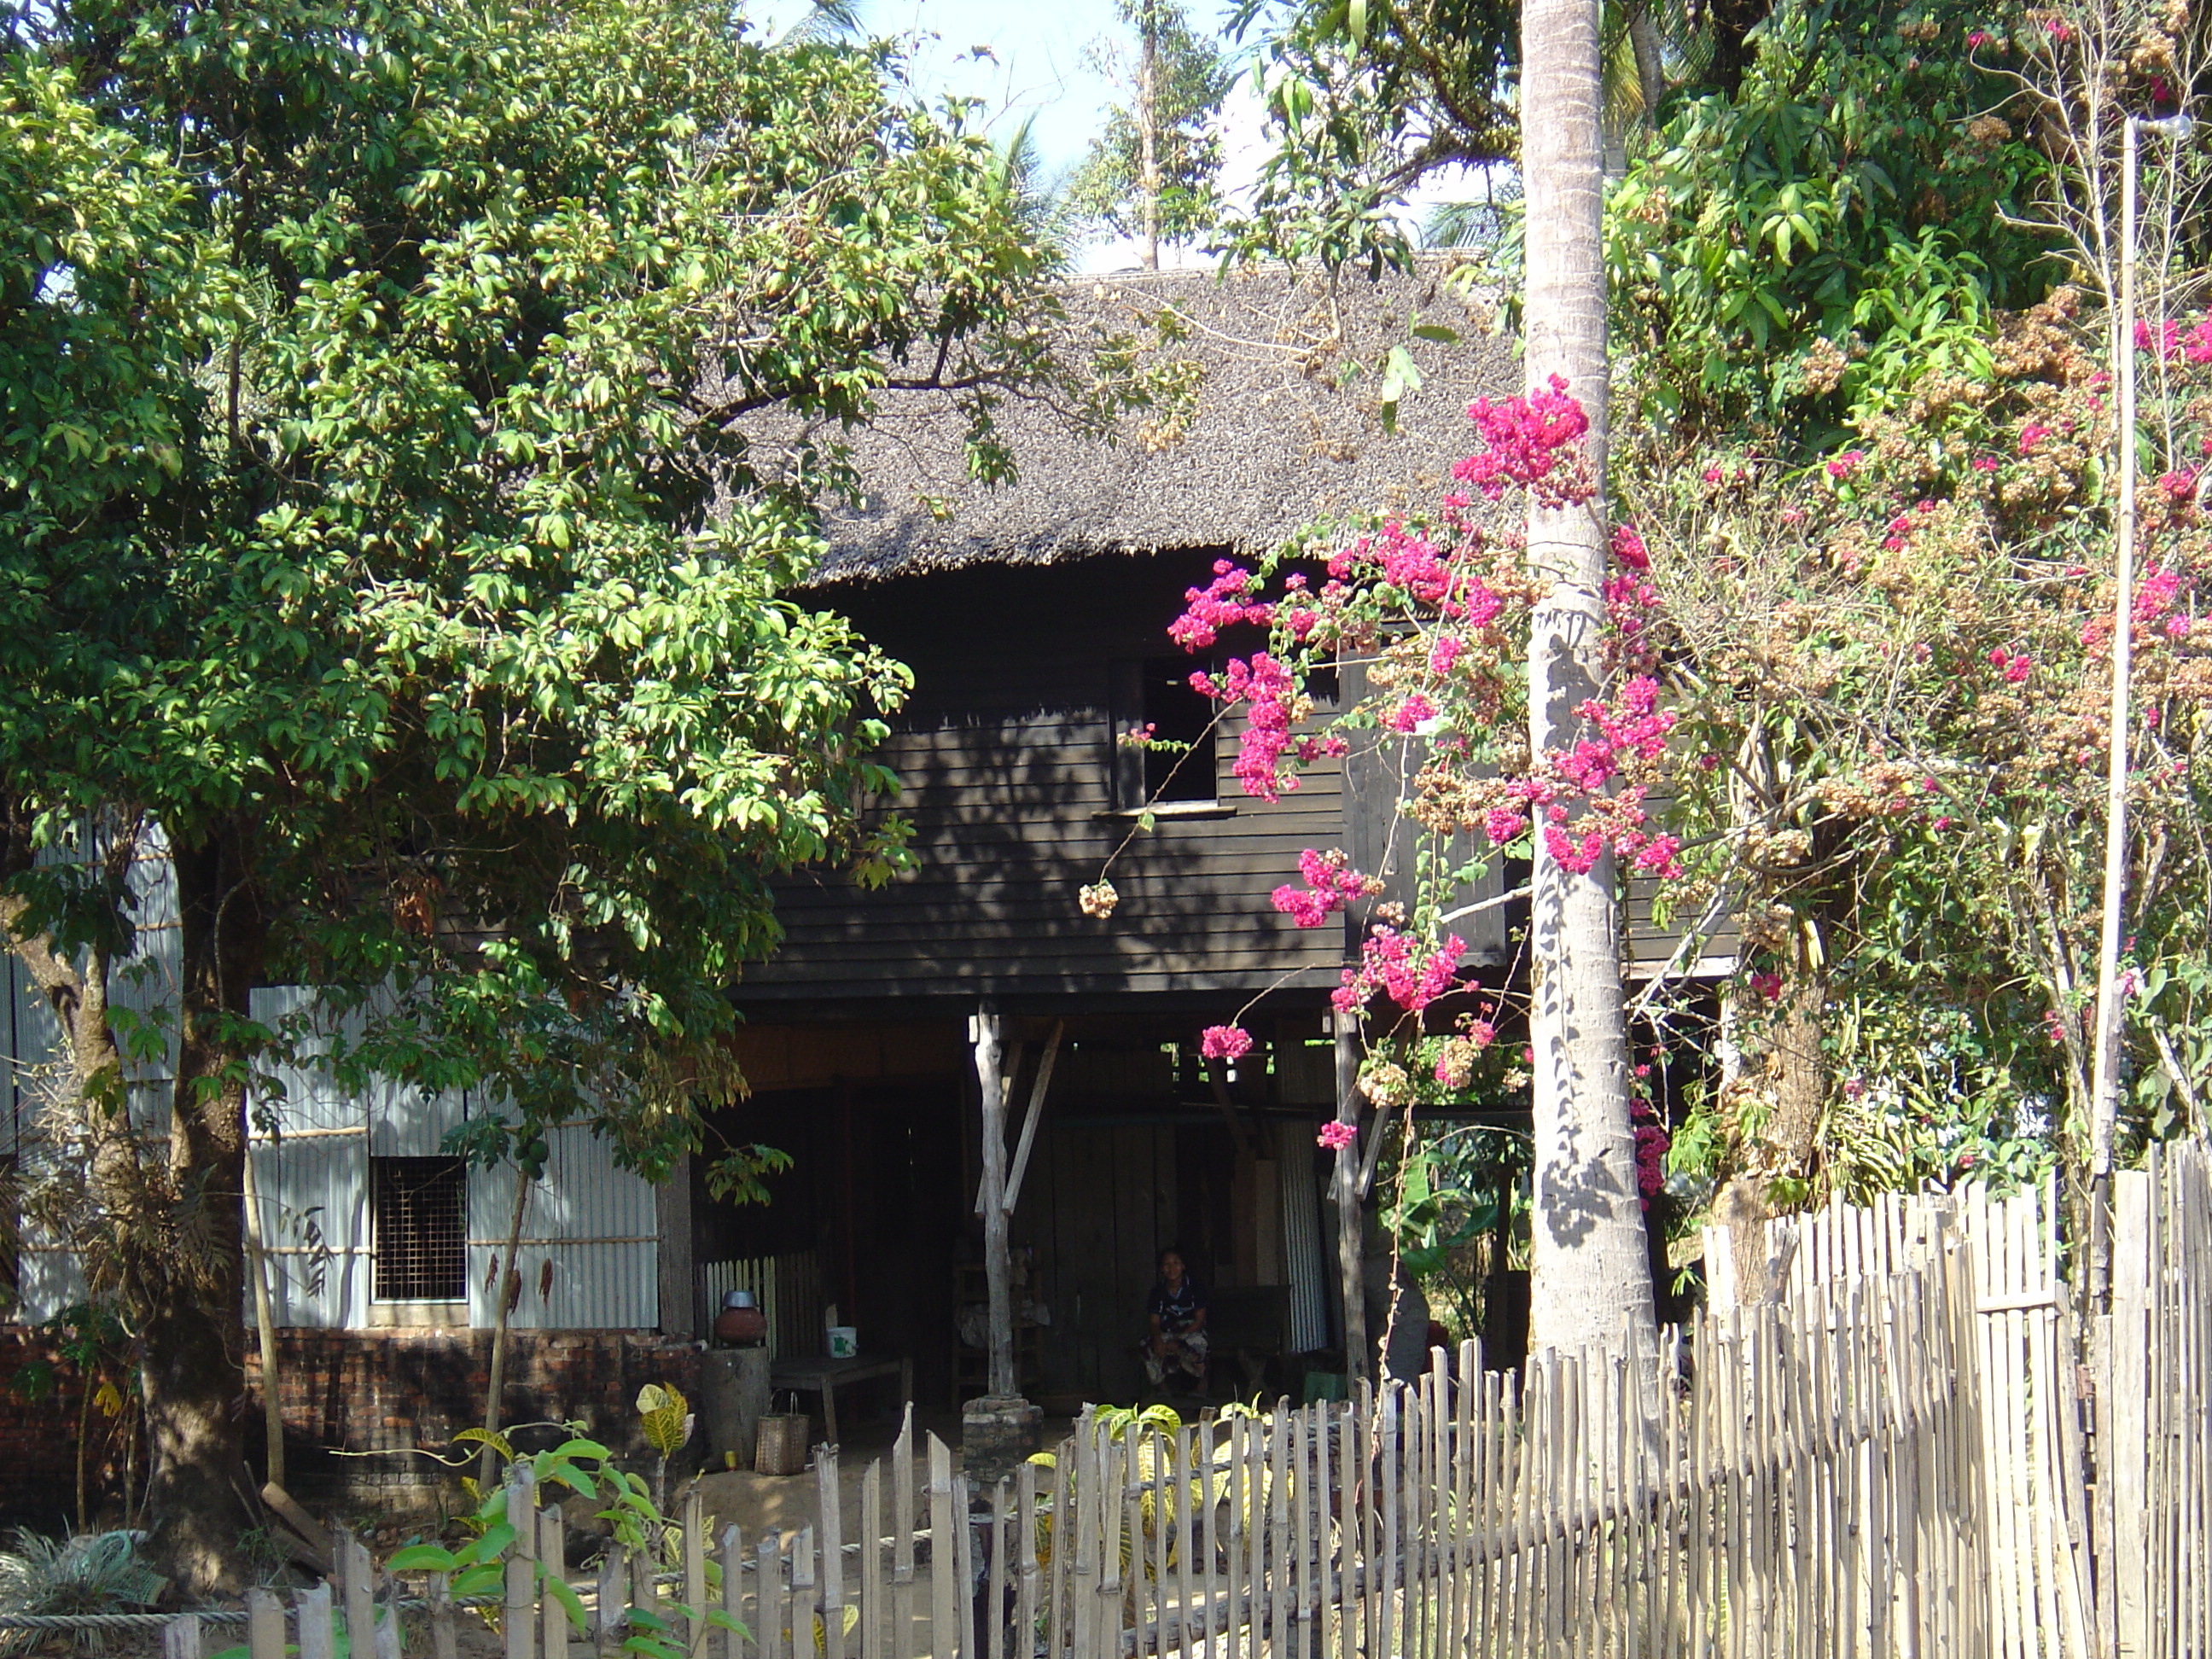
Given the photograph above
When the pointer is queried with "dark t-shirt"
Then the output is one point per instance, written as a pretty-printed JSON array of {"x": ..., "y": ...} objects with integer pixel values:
[{"x": 1176, "y": 1309}]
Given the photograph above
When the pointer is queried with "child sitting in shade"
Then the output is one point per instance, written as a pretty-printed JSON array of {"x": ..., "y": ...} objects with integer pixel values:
[{"x": 1175, "y": 1354}]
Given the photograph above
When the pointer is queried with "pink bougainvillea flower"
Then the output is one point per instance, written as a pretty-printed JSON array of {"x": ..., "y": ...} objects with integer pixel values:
[
  {"x": 1409, "y": 714},
  {"x": 1335, "y": 1137},
  {"x": 1220, "y": 604},
  {"x": 2165, "y": 339},
  {"x": 1331, "y": 884},
  {"x": 1522, "y": 439},
  {"x": 1224, "y": 1042}
]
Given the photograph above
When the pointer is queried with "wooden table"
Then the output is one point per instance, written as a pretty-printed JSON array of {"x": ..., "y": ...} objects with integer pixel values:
[{"x": 826, "y": 1377}]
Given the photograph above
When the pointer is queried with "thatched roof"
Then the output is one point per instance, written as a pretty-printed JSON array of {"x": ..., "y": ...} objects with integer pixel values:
[{"x": 1284, "y": 428}]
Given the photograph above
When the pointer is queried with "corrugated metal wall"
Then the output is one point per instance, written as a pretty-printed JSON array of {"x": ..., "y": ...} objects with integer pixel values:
[
  {"x": 1305, "y": 1260},
  {"x": 596, "y": 1224},
  {"x": 311, "y": 1177},
  {"x": 590, "y": 1248}
]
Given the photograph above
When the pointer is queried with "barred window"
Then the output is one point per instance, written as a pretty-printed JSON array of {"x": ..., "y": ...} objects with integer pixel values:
[{"x": 418, "y": 1210}]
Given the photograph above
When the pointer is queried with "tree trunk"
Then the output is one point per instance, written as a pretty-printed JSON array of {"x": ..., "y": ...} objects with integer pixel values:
[
  {"x": 1148, "y": 121},
  {"x": 1650, "y": 52},
  {"x": 1590, "y": 1282},
  {"x": 75, "y": 993},
  {"x": 194, "y": 1340}
]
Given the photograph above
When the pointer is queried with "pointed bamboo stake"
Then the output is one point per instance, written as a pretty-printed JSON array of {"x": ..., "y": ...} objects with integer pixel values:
[
  {"x": 1158, "y": 1585},
  {"x": 517, "y": 1622},
  {"x": 947, "y": 1587},
  {"x": 264, "y": 1625},
  {"x": 311, "y": 1609},
  {"x": 181, "y": 1637},
  {"x": 962, "y": 1508},
  {"x": 828, "y": 1505},
  {"x": 1029, "y": 1578},
  {"x": 444, "y": 1638},
  {"x": 805, "y": 1638},
  {"x": 1204, "y": 1537},
  {"x": 1084, "y": 1587},
  {"x": 905, "y": 1518},
  {"x": 1058, "y": 1532},
  {"x": 873, "y": 1635},
  {"x": 995, "y": 1592},
  {"x": 771, "y": 1610},
  {"x": 733, "y": 1589},
  {"x": 356, "y": 1589},
  {"x": 610, "y": 1620},
  {"x": 553, "y": 1557}
]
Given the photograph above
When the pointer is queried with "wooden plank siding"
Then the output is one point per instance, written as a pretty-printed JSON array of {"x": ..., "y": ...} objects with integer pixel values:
[{"x": 1005, "y": 755}]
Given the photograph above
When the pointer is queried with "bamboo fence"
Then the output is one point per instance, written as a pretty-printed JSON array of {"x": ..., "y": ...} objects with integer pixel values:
[{"x": 1893, "y": 1450}]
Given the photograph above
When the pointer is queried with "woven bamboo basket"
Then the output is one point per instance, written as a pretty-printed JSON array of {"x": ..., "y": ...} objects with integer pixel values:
[{"x": 782, "y": 1446}]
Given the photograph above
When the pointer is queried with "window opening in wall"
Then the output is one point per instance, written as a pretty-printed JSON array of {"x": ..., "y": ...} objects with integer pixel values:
[
  {"x": 1157, "y": 694},
  {"x": 418, "y": 1217}
]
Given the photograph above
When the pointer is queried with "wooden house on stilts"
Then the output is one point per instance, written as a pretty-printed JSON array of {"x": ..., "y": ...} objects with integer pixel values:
[{"x": 1034, "y": 618}]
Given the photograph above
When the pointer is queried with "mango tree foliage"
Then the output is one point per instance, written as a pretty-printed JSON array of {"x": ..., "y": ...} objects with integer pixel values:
[
  {"x": 1794, "y": 253},
  {"x": 471, "y": 477}
]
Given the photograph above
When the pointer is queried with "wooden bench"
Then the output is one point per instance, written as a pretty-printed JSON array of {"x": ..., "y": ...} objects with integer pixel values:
[{"x": 825, "y": 1377}]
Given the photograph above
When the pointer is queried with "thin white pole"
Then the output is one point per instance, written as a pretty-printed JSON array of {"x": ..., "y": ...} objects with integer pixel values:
[{"x": 2104, "y": 1098}]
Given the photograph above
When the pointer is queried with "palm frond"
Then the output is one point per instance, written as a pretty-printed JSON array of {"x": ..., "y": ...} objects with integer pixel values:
[
  {"x": 1028, "y": 194},
  {"x": 822, "y": 23},
  {"x": 1462, "y": 225}
]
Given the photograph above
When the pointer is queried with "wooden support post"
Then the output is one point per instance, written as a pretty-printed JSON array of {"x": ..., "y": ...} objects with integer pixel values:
[
  {"x": 1351, "y": 1223},
  {"x": 679, "y": 1295},
  {"x": 1036, "y": 1110},
  {"x": 998, "y": 1263}
]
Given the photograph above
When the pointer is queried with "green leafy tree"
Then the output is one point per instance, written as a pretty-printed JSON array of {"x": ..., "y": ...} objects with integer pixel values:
[
  {"x": 1798, "y": 254},
  {"x": 419, "y": 571},
  {"x": 1189, "y": 75}
]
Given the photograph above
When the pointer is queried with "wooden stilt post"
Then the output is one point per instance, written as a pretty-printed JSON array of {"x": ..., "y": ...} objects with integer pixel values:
[
  {"x": 1350, "y": 1225},
  {"x": 997, "y": 1263}
]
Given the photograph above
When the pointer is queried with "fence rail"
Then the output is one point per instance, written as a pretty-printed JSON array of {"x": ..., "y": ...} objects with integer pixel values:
[{"x": 1878, "y": 1442}]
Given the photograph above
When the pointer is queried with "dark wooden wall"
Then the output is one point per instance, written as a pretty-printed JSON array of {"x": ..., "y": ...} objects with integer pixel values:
[
  {"x": 1006, "y": 753},
  {"x": 1104, "y": 1198}
]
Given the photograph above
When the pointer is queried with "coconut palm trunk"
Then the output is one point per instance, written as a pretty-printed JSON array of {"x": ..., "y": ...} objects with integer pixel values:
[{"x": 1590, "y": 1283}]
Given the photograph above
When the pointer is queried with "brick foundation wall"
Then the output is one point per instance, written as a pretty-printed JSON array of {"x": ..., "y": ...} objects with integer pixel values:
[
  {"x": 38, "y": 1437},
  {"x": 356, "y": 1405}
]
